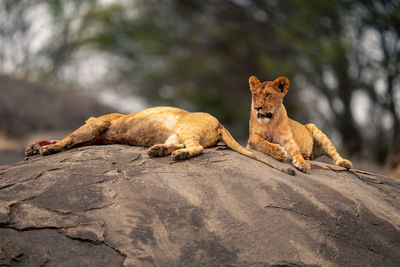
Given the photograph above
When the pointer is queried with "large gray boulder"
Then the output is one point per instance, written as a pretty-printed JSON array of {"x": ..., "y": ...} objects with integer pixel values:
[{"x": 114, "y": 205}]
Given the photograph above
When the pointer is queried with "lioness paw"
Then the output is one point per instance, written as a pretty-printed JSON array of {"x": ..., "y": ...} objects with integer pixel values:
[
  {"x": 32, "y": 149},
  {"x": 157, "y": 151},
  {"x": 44, "y": 151},
  {"x": 180, "y": 154},
  {"x": 344, "y": 163},
  {"x": 50, "y": 149},
  {"x": 161, "y": 150}
]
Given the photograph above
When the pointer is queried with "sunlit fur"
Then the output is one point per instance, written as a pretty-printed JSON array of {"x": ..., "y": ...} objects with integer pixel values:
[
  {"x": 166, "y": 130},
  {"x": 273, "y": 133}
]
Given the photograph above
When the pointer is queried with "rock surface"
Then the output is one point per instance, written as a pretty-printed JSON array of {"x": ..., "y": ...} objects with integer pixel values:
[{"x": 113, "y": 205}]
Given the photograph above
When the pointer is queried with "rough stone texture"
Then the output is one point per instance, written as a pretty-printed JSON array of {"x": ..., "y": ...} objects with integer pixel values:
[{"x": 113, "y": 205}]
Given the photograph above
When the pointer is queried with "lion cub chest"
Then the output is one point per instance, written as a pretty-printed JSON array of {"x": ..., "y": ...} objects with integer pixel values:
[
  {"x": 270, "y": 131},
  {"x": 268, "y": 135}
]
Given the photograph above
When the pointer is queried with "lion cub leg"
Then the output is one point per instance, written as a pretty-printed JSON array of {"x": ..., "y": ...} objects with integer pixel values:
[
  {"x": 170, "y": 145},
  {"x": 293, "y": 150},
  {"x": 257, "y": 142},
  {"x": 83, "y": 135},
  {"x": 327, "y": 148}
]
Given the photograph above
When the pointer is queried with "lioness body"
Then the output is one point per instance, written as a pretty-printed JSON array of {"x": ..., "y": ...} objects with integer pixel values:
[
  {"x": 155, "y": 125},
  {"x": 166, "y": 130},
  {"x": 273, "y": 133}
]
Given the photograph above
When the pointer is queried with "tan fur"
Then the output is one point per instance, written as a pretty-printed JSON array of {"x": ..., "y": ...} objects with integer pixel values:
[
  {"x": 273, "y": 133},
  {"x": 166, "y": 130}
]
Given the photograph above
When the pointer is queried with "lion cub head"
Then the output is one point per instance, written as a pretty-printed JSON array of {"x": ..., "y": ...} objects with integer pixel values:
[{"x": 267, "y": 97}]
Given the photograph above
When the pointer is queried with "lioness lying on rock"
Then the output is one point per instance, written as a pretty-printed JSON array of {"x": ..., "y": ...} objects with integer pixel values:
[{"x": 166, "y": 130}]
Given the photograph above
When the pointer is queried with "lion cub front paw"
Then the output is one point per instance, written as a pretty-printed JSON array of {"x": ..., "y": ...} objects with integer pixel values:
[
  {"x": 279, "y": 153},
  {"x": 344, "y": 163},
  {"x": 302, "y": 165}
]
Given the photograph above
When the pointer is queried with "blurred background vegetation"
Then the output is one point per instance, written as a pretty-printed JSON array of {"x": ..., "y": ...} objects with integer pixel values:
[{"x": 341, "y": 56}]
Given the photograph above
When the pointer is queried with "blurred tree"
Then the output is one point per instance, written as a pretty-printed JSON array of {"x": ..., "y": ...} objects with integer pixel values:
[
  {"x": 315, "y": 36},
  {"x": 195, "y": 54},
  {"x": 382, "y": 19},
  {"x": 15, "y": 53},
  {"x": 29, "y": 50},
  {"x": 199, "y": 54}
]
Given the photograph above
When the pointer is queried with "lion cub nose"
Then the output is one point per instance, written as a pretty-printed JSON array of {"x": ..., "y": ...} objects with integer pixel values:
[{"x": 268, "y": 115}]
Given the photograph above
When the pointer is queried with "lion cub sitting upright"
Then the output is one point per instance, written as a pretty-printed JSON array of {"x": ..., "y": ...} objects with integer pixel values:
[{"x": 273, "y": 133}]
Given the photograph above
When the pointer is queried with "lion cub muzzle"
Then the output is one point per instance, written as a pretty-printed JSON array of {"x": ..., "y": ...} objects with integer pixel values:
[
  {"x": 260, "y": 115},
  {"x": 264, "y": 116}
]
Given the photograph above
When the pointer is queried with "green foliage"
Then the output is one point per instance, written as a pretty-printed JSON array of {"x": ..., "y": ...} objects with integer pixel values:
[{"x": 199, "y": 54}]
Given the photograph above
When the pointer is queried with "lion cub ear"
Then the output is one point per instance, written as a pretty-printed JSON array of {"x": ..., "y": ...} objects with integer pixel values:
[
  {"x": 282, "y": 83},
  {"x": 253, "y": 82}
]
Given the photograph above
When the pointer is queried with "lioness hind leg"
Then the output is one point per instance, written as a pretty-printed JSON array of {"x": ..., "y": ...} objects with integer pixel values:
[
  {"x": 196, "y": 131},
  {"x": 170, "y": 145},
  {"x": 190, "y": 150},
  {"x": 83, "y": 135},
  {"x": 326, "y": 147},
  {"x": 191, "y": 142}
]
